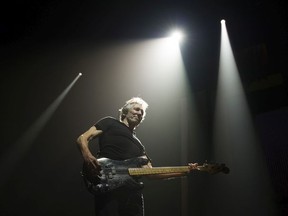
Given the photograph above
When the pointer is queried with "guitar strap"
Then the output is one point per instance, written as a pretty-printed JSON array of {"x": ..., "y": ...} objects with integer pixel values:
[{"x": 141, "y": 147}]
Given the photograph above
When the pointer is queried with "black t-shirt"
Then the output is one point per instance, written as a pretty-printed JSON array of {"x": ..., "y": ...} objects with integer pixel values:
[{"x": 117, "y": 141}]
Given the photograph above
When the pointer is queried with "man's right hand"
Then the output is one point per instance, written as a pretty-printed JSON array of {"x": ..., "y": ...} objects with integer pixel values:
[{"x": 92, "y": 162}]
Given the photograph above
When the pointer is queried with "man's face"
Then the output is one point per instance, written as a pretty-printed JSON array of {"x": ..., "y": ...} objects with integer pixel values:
[{"x": 135, "y": 114}]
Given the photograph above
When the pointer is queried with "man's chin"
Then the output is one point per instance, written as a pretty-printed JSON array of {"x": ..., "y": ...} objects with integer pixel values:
[{"x": 134, "y": 122}]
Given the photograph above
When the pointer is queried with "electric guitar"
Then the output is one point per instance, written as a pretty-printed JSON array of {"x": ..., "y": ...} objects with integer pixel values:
[{"x": 114, "y": 173}]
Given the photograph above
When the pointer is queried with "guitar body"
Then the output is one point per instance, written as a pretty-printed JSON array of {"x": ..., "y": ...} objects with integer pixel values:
[{"x": 114, "y": 174}]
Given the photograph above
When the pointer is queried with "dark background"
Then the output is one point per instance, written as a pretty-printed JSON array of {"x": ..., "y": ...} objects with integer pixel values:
[{"x": 43, "y": 45}]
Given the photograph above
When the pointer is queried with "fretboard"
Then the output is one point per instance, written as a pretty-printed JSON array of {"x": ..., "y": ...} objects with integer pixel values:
[{"x": 157, "y": 170}]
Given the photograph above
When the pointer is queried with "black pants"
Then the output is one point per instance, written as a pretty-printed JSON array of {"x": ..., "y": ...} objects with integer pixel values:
[{"x": 120, "y": 202}]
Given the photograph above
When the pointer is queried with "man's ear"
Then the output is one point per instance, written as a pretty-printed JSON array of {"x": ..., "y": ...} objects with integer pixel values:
[{"x": 125, "y": 111}]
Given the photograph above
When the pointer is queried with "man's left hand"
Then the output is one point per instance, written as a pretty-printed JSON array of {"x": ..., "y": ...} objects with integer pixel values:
[{"x": 192, "y": 166}]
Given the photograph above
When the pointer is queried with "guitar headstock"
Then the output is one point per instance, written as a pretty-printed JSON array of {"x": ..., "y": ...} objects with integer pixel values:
[{"x": 214, "y": 168}]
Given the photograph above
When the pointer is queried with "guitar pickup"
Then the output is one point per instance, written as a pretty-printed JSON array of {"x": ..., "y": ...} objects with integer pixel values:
[{"x": 113, "y": 171}]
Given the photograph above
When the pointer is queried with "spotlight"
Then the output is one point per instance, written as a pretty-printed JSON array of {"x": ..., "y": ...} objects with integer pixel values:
[
  {"x": 80, "y": 74},
  {"x": 177, "y": 35},
  {"x": 223, "y": 21}
]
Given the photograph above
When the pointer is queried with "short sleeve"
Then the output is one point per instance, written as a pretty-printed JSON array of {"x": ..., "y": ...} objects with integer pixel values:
[{"x": 104, "y": 123}]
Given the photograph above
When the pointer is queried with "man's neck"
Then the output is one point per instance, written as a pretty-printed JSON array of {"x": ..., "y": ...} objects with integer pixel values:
[{"x": 131, "y": 127}]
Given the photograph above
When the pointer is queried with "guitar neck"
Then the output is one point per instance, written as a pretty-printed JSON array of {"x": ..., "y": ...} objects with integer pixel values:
[{"x": 157, "y": 170}]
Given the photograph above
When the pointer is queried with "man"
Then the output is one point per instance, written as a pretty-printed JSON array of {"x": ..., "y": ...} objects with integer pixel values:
[{"x": 118, "y": 141}]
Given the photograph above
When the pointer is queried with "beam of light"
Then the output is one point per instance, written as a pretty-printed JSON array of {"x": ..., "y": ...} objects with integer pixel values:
[
  {"x": 235, "y": 143},
  {"x": 17, "y": 151}
]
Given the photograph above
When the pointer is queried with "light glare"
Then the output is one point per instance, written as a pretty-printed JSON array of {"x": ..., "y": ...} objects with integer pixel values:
[{"x": 177, "y": 35}]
